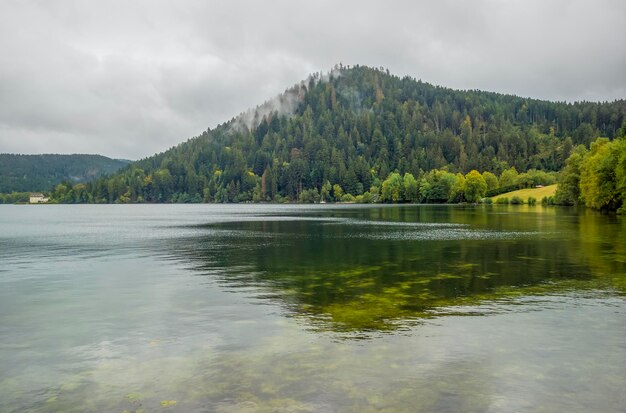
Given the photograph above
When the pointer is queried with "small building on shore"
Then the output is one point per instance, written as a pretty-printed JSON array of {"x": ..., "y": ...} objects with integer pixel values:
[{"x": 37, "y": 198}]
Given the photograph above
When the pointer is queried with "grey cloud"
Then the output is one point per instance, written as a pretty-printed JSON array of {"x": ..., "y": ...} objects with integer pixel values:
[{"x": 127, "y": 79}]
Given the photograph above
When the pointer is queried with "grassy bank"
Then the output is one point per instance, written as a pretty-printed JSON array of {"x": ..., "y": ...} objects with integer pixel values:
[{"x": 537, "y": 193}]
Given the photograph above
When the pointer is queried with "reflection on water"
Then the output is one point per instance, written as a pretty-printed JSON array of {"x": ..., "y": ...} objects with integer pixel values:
[
  {"x": 378, "y": 269},
  {"x": 258, "y": 308}
]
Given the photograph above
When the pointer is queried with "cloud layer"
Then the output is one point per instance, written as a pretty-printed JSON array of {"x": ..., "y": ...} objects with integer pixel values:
[{"x": 128, "y": 79}]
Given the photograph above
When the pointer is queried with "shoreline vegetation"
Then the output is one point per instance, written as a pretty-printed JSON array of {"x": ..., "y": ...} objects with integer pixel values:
[{"x": 594, "y": 177}]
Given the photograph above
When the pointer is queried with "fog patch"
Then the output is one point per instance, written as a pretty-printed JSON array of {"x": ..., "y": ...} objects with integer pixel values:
[{"x": 284, "y": 104}]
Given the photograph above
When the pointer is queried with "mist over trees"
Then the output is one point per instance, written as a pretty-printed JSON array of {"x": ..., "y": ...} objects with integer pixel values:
[{"x": 362, "y": 134}]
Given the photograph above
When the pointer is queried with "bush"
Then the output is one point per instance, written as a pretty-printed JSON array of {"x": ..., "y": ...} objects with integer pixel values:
[
  {"x": 309, "y": 196},
  {"x": 487, "y": 201},
  {"x": 548, "y": 200},
  {"x": 532, "y": 200},
  {"x": 366, "y": 198},
  {"x": 516, "y": 200},
  {"x": 347, "y": 198},
  {"x": 502, "y": 200}
]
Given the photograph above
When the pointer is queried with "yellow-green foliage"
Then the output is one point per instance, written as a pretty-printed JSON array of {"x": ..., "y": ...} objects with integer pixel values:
[
  {"x": 491, "y": 180},
  {"x": 597, "y": 175},
  {"x": 392, "y": 188},
  {"x": 475, "y": 186}
]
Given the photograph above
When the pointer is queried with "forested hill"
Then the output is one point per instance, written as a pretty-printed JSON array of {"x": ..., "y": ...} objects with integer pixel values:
[
  {"x": 23, "y": 173},
  {"x": 352, "y": 128}
]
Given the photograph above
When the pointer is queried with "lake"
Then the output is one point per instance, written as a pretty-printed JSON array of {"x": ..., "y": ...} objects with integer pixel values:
[{"x": 323, "y": 308}]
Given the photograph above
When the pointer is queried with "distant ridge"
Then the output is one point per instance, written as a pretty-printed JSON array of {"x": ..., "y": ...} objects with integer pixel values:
[{"x": 27, "y": 173}]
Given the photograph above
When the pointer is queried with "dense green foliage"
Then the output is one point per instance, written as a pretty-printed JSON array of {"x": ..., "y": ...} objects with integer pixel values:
[
  {"x": 14, "y": 197},
  {"x": 343, "y": 137},
  {"x": 596, "y": 177},
  {"x": 22, "y": 173}
]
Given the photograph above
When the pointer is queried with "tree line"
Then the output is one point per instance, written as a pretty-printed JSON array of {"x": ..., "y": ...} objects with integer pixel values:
[
  {"x": 435, "y": 186},
  {"x": 14, "y": 197}
]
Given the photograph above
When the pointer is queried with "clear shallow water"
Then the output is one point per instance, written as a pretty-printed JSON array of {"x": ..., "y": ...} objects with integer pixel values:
[{"x": 242, "y": 308}]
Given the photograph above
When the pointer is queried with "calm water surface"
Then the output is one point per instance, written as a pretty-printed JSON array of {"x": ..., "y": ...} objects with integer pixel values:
[{"x": 242, "y": 308}]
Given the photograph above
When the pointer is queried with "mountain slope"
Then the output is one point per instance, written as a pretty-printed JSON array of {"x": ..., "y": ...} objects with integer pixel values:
[
  {"x": 23, "y": 173},
  {"x": 353, "y": 128}
]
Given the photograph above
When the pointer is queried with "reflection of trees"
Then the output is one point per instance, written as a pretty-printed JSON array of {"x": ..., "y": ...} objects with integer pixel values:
[
  {"x": 370, "y": 277},
  {"x": 602, "y": 246}
]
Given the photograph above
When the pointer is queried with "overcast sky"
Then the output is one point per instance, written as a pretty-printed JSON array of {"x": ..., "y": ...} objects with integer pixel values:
[{"x": 127, "y": 78}]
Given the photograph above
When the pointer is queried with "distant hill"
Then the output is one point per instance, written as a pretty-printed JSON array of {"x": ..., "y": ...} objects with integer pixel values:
[
  {"x": 23, "y": 173},
  {"x": 352, "y": 128}
]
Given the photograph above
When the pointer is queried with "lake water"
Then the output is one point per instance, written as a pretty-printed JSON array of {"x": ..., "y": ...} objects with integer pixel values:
[{"x": 255, "y": 308}]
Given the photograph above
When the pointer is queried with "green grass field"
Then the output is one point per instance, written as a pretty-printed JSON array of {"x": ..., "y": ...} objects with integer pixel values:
[{"x": 537, "y": 193}]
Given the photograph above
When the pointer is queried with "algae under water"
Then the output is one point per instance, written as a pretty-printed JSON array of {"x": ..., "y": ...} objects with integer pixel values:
[{"x": 246, "y": 308}]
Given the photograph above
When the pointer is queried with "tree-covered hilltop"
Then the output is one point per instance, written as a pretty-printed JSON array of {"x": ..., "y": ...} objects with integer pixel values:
[
  {"x": 349, "y": 130},
  {"x": 23, "y": 173}
]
